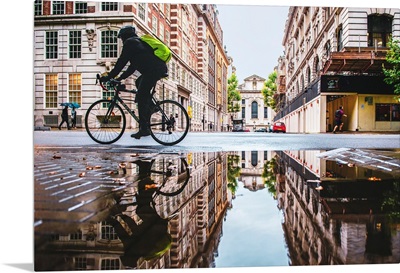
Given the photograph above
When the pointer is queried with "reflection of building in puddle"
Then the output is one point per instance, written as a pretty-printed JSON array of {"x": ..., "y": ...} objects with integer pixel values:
[
  {"x": 195, "y": 221},
  {"x": 253, "y": 168},
  {"x": 335, "y": 218}
]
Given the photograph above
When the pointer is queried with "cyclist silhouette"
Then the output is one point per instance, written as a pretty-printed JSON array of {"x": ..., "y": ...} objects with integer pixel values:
[
  {"x": 141, "y": 58},
  {"x": 146, "y": 236}
]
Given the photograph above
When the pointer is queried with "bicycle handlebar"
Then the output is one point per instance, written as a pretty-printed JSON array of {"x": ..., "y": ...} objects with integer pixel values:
[{"x": 114, "y": 83}]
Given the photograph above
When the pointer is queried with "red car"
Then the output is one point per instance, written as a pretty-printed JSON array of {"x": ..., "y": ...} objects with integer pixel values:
[{"x": 279, "y": 127}]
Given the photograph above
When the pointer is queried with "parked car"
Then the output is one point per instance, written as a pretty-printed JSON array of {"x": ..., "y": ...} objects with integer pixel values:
[
  {"x": 261, "y": 130},
  {"x": 279, "y": 127},
  {"x": 237, "y": 129}
]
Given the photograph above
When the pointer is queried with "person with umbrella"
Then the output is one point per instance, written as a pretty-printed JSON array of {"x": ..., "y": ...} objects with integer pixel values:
[
  {"x": 64, "y": 118},
  {"x": 73, "y": 117}
]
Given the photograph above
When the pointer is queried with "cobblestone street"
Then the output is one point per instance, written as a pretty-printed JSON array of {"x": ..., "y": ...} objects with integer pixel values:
[{"x": 81, "y": 184}]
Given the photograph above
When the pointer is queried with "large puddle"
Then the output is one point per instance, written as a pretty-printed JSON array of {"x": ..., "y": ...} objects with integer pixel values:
[{"x": 110, "y": 211}]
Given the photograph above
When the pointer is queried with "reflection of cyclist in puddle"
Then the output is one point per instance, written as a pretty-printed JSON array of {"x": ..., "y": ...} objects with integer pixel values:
[{"x": 147, "y": 236}]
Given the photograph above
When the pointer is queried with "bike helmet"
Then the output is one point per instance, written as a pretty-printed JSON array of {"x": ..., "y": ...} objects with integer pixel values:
[{"x": 126, "y": 32}]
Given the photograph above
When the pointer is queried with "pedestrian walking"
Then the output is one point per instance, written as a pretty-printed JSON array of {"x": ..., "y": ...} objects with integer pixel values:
[
  {"x": 64, "y": 118},
  {"x": 172, "y": 119},
  {"x": 339, "y": 114},
  {"x": 73, "y": 117}
]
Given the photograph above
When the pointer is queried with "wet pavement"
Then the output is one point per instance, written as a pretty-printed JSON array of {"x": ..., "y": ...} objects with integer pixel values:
[{"x": 102, "y": 209}]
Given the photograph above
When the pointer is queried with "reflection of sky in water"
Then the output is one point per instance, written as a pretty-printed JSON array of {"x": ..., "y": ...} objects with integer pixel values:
[{"x": 250, "y": 232}]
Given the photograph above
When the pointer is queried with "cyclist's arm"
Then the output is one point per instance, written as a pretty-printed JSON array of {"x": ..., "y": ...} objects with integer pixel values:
[
  {"x": 129, "y": 71},
  {"x": 121, "y": 62}
]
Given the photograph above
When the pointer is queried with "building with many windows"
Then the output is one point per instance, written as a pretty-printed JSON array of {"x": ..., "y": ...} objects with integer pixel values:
[
  {"x": 253, "y": 113},
  {"x": 333, "y": 57},
  {"x": 75, "y": 40}
]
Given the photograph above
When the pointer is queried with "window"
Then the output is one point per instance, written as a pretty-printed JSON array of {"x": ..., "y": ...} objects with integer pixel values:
[
  {"x": 58, "y": 7},
  {"x": 81, "y": 7},
  {"x": 80, "y": 263},
  {"x": 109, "y": 264},
  {"x": 142, "y": 11},
  {"x": 51, "y": 90},
  {"x": 161, "y": 32},
  {"x": 76, "y": 236},
  {"x": 167, "y": 35},
  {"x": 339, "y": 37},
  {"x": 51, "y": 45},
  {"x": 75, "y": 88},
  {"x": 243, "y": 112},
  {"x": 38, "y": 7},
  {"x": 109, "y": 44},
  {"x": 308, "y": 74},
  {"x": 75, "y": 43},
  {"x": 265, "y": 112},
  {"x": 327, "y": 49},
  {"x": 173, "y": 73},
  {"x": 108, "y": 94},
  {"x": 109, "y": 6},
  {"x": 254, "y": 158},
  {"x": 108, "y": 232},
  {"x": 379, "y": 29},
  {"x": 254, "y": 109},
  {"x": 387, "y": 112},
  {"x": 154, "y": 25},
  {"x": 317, "y": 66}
]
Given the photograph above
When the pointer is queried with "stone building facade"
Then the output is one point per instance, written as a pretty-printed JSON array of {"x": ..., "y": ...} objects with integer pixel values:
[
  {"x": 75, "y": 40},
  {"x": 253, "y": 111},
  {"x": 333, "y": 57}
]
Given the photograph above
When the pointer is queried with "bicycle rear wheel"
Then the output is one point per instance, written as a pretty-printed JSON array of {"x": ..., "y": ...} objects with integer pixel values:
[
  {"x": 163, "y": 129},
  {"x": 170, "y": 173},
  {"x": 105, "y": 122}
]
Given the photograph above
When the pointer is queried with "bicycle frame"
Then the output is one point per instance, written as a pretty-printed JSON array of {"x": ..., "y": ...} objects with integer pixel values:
[{"x": 117, "y": 99}]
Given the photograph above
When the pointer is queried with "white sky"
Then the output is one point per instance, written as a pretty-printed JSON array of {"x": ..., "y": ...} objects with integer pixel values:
[{"x": 253, "y": 37}]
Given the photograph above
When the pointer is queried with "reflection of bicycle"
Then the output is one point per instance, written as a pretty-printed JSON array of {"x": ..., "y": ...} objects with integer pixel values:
[
  {"x": 170, "y": 175},
  {"x": 105, "y": 120},
  {"x": 165, "y": 175}
]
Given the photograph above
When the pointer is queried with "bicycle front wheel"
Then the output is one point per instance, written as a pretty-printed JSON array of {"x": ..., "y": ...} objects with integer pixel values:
[
  {"x": 105, "y": 122},
  {"x": 171, "y": 173},
  {"x": 169, "y": 123}
]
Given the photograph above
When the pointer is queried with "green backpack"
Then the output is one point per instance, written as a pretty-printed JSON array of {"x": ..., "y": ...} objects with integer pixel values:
[{"x": 160, "y": 49}]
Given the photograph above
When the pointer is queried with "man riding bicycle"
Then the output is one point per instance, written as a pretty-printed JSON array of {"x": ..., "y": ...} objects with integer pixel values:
[{"x": 141, "y": 58}]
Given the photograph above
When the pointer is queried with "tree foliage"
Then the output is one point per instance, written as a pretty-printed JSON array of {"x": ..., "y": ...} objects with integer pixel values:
[
  {"x": 233, "y": 173},
  {"x": 233, "y": 94},
  {"x": 269, "y": 90},
  {"x": 392, "y": 75}
]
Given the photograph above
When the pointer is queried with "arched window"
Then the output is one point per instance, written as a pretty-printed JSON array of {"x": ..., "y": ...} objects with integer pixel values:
[
  {"x": 379, "y": 29},
  {"x": 339, "y": 37},
  {"x": 327, "y": 49},
  {"x": 254, "y": 109},
  {"x": 316, "y": 66},
  {"x": 308, "y": 74},
  {"x": 254, "y": 158}
]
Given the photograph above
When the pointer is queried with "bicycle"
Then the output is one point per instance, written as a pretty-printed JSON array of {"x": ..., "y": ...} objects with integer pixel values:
[
  {"x": 168, "y": 175},
  {"x": 105, "y": 120}
]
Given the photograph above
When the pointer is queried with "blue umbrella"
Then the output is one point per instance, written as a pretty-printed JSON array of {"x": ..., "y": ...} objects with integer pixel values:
[
  {"x": 71, "y": 104},
  {"x": 74, "y": 104}
]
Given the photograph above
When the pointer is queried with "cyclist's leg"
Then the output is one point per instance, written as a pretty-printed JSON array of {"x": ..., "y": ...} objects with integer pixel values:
[{"x": 144, "y": 85}]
